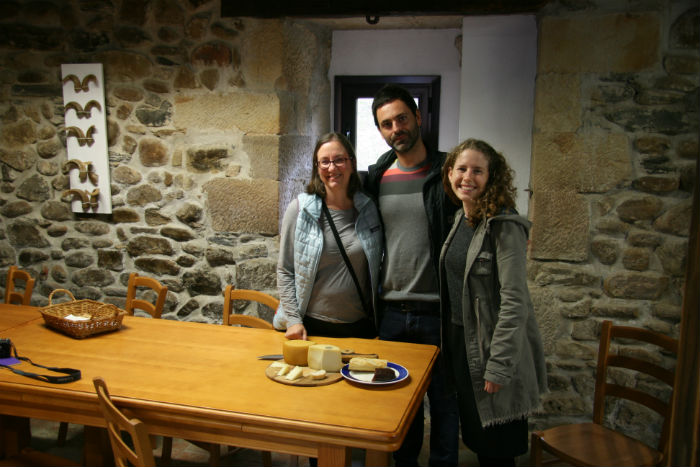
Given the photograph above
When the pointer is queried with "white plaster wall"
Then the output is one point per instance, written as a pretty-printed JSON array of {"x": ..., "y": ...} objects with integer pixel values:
[
  {"x": 499, "y": 60},
  {"x": 404, "y": 52}
]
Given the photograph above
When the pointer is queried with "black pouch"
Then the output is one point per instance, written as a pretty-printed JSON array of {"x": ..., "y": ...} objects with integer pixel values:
[{"x": 7, "y": 349}]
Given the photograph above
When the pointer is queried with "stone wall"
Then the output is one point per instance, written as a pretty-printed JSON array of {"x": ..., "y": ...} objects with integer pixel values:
[
  {"x": 211, "y": 121},
  {"x": 615, "y": 144}
]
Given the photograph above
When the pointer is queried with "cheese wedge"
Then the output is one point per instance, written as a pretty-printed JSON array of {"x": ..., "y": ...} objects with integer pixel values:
[
  {"x": 296, "y": 373},
  {"x": 366, "y": 364},
  {"x": 296, "y": 352},
  {"x": 325, "y": 357},
  {"x": 284, "y": 369}
]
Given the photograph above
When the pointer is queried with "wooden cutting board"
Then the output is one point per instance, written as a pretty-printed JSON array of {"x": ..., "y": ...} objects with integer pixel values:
[{"x": 330, "y": 378}]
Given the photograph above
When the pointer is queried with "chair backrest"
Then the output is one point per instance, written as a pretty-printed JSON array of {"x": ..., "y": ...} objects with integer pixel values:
[
  {"x": 141, "y": 454},
  {"x": 21, "y": 298},
  {"x": 230, "y": 317},
  {"x": 154, "y": 309},
  {"x": 624, "y": 358}
]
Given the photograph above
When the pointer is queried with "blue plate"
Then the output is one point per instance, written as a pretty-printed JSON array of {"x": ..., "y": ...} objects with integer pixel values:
[{"x": 365, "y": 377}]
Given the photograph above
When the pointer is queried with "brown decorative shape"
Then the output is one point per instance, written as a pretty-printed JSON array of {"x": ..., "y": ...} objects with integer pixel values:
[
  {"x": 83, "y": 139},
  {"x": 79, "y": 85},
  {"x": 80, "y": 194},
  {"x": 83, "y": 112}
]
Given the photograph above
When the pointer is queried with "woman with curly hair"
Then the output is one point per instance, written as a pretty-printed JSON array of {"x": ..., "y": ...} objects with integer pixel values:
[{"x": 490, "y": 337}]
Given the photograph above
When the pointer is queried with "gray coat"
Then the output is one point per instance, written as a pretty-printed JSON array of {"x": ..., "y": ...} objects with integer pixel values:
[{"x": 500, "y": 332}]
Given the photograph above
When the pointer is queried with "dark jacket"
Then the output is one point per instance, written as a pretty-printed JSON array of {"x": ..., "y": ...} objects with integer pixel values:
[
  {"x": 501, "y": 335},
  {"x": 439, "y": 209}
]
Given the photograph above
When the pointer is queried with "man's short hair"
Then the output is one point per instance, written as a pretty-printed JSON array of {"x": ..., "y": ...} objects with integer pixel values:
[{"x": 389, "y": 93}]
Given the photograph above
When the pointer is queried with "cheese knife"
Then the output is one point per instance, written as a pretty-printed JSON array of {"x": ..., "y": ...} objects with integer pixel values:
[{"x": 345, "y": 356}]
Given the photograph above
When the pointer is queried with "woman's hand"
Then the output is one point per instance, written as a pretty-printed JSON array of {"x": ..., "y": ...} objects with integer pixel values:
[
  {"x": 491, "y": 388},
  {"x": 297, "y": 331}
]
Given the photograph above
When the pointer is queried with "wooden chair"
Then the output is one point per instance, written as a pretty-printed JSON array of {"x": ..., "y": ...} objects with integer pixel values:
[
  {"x": 154, "y": 309},
  {"x": 231, "y": 294},
  {"x": 132, "y": 303},
  {"x": 141, "y": 454},
  {"x": 11, "y": 295},
  {"x": 230, "y": 318},
  {"x": 593, "y": 443}
]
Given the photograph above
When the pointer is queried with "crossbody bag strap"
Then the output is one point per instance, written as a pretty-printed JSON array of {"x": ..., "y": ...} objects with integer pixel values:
[
  {"x": 345, "y": 257},
  {"x": 71, "y": 373}
]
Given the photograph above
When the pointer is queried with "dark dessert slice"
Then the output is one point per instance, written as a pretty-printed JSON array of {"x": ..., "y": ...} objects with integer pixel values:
[{"x": 383, "y": 374}]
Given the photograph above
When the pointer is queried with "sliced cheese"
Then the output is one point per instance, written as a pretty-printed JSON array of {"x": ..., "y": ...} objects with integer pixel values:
[
  {"x": 296, "y": 373},
  {"x": 318, "y": 374},
  {"x": 366, "y": 364},
  {"x": 325, "y": 357},
  {"x": 284, "y": 369},
  {"x": 295, "y": 352}
]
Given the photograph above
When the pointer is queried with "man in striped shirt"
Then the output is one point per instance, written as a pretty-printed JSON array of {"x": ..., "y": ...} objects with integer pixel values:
[{"x": 407, "y": 186}]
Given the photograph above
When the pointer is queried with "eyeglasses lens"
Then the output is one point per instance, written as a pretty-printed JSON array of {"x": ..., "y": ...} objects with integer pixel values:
[{"x": 326, "y": 163}]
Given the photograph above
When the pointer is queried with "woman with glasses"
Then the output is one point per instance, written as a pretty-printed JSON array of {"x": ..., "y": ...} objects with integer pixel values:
[{"x": 331, "y": 243}]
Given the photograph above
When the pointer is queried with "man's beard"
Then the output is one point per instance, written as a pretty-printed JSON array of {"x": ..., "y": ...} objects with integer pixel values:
[{"x": 410, "y": 139}]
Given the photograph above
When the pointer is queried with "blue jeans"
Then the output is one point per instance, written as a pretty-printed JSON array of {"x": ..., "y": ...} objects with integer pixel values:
[{"x": 408, "y": 322}]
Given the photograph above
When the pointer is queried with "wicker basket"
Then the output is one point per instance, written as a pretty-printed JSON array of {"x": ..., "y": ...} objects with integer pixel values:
[{"x": 103, "y": 316}]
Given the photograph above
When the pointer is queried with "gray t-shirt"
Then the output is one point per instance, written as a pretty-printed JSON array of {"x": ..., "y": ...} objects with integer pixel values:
[
  {"x": 408, "y": 272},
  {"x": 334, "y": 296}
]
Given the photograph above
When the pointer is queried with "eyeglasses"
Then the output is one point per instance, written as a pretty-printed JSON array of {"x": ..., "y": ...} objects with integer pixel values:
[{"x": 339, "y": 162}]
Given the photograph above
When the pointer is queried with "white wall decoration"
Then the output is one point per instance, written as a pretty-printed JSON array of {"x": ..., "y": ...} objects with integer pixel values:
[{"x": 86, "y": 139}]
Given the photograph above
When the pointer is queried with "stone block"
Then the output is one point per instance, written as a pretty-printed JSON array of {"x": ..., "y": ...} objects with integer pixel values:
[
  {"x": 246, "y": 112},
  {"x": 640, "y": 208},
  {"x": 263, "y": 52},
  {"x": 635, "y": 285},
  {"x": 561, "y": 230},
  {"x": 125, "y": 66},
  {"x": 615, "y": 309},
  {"x": 636, "y": 258},
  {"x": 672, "y": 255},
  {"x": 548, "y": 320},
  {"x": 588, "y": 163},
  {"x": 625, "y": 43},
  {"x": 676, "y": 220},
  {"x": 243, "y": 205},
  {"x": 263, "y": 153},
  {"x": 557, "y": 103}
]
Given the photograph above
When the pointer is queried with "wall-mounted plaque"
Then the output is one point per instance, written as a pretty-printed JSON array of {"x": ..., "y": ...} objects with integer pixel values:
[{"x": 86, "y": 138}]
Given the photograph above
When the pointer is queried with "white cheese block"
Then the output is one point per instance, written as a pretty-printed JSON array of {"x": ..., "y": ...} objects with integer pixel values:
[
  {"x": 325, "y": 357},
  {"x": 296, "y": 373}
]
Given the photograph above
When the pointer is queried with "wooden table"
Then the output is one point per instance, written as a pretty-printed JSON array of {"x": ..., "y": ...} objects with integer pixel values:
[
  {"x": 14, "y": 315},
  {"x": 203, "y": 382}
]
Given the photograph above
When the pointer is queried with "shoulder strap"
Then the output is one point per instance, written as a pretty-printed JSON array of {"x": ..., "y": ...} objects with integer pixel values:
[
  {"x": 71, "y": 374},
  {"x": 327, "y": 213}
]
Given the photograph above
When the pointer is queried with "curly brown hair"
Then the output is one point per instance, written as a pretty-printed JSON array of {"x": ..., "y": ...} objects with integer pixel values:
[{"x": 499, "y": 193}]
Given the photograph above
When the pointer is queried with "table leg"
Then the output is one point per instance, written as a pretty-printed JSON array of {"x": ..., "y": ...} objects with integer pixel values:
[
  {"x": 330, "y": 455},
  {"x": 377, "y": 458},
  {"x": 15, "y": 434},
  {"x": 97, "y": 450}
]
